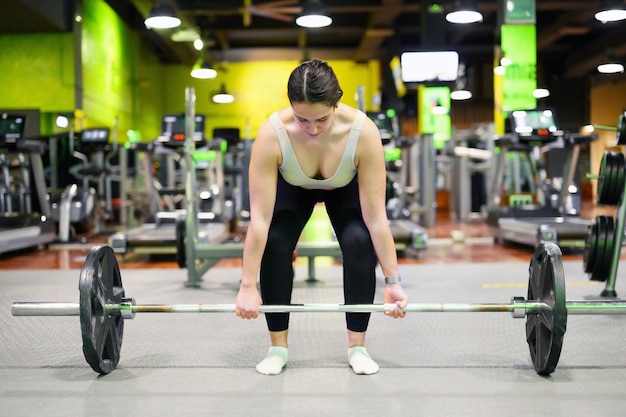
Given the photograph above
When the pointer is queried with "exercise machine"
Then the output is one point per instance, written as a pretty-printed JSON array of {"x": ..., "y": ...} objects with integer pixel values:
[
  {"x": 471, "y": 171},
  {"x": 548, "y": 211},
  {"x": 236, "y": 161},
  {"x": 85, "y": 208},
  {"x": 21, "y": 169},
  {"x": 157, "y": 235}
]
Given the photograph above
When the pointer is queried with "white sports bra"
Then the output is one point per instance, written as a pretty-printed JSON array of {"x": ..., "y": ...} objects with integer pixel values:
[{"x": 290, "y": 168}]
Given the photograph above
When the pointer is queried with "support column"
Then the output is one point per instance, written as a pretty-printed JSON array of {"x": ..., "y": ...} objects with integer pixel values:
[{"x": 515, "y": 59}]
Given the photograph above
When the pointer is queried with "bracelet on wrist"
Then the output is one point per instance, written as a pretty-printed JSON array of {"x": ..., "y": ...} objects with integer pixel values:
[{"x": 393, "y": 280}]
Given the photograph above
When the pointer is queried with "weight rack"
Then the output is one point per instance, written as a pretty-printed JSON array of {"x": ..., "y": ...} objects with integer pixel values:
[{"x": 605, "y": 236}]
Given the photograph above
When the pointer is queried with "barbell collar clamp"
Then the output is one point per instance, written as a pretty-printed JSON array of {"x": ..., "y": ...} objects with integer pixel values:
[
  {"x": 519, "y": 307},
  {"x": 127, "y": 308}
]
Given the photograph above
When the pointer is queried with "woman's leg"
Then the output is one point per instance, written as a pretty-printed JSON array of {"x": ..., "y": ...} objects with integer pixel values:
[
  {"x": 293, "y": 208},
  {"x": 359, "y": 269}
]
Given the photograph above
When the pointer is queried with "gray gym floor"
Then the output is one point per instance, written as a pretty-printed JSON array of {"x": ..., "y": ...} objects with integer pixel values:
[{"x": 432, "y": 364}]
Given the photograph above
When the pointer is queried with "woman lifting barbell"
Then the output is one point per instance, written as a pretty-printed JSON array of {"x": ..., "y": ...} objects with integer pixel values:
[{"x": 317, "y": 150}]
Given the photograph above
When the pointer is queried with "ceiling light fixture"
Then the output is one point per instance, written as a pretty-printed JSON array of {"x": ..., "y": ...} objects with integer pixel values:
[
  {"x": 460, "y": 91},
  {"x": 185, "y": 35},
  {"x": 203, "y": 70},
  {"x": 223, "y": 96},
  {"x": 464, "y": 12},
  {"x": 612, "y": 65},
  {"x": 204, "y": 40},
  {"x": 459, "y": 95},
  {"x": 541, "y": 93},
  {"x": 610, "y": 68},
  {"x": 162, "y": 16},
  {"x": 611, "y": 11},
  {"x": 313, "y": 15}
]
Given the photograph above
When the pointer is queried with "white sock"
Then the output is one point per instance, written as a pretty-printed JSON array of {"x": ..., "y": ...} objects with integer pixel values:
[
  {"x": 361, "y": 362},
  {"x": 274, "y": 361}
]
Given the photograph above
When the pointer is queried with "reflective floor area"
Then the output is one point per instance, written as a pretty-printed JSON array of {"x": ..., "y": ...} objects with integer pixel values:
[{"x": 450, "y": 241}]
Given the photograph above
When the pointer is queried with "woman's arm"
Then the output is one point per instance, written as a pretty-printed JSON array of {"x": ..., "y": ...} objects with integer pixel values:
[
  {"x": 263, "y": 175},
  {"x": 372, "y": 190}
]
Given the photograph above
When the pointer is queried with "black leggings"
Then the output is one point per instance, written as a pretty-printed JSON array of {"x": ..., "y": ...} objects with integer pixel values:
[{"x": 293, "y": 208}]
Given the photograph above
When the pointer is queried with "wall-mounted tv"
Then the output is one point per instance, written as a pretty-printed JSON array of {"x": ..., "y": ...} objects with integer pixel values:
[{"x": 429, "y": 67}]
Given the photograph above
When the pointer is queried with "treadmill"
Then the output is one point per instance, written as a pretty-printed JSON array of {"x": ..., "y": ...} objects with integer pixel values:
[
  {"x": 556, "y": 218},
  {"x": 21, "y": 226},
  {"x": 158, "y": 234}
]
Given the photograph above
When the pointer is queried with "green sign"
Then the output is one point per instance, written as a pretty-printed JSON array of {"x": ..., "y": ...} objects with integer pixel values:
[
  {"x": 434, "y": 109},
  {"x": 519, "y": 46}
]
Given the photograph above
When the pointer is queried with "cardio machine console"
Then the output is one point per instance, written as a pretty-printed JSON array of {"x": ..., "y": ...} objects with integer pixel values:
[
  {"x": 535, "y": 125},
  {"x": 173, "y": 130},
  {"x": 11, "y": 129},
  {"x": 94, "y": 139}
]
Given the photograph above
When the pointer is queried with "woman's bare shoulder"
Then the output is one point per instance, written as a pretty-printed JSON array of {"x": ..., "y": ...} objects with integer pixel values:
[{"x": 266, "y": 141}]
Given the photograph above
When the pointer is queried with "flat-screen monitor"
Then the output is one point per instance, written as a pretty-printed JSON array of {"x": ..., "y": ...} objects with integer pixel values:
[
  {"x": 429, "y": 67},
  {"x": 535, "y": 122},
  {"x": 11, "y": 127},
  {"x": 173, "y": 128}
]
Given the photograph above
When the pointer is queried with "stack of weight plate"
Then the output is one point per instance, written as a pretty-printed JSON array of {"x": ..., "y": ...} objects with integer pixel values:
[{"x": 602, "y": 235}]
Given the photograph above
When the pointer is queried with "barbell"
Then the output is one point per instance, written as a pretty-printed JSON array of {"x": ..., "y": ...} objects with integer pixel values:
[{"x": 103, "y": 307}]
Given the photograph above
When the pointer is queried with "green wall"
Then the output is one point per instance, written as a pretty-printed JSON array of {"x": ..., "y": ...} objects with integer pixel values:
[
  {"x": 123, "y": 80},
  {"x": 259, "y": 89},
  {"x": 121, "y": 77},
  {"x": 37, "y": 72}
]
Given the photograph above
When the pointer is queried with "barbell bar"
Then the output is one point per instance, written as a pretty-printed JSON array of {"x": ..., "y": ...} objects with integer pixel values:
[
  {"x": 518, "y": 307},
  {"x": 104, "y": 307}
]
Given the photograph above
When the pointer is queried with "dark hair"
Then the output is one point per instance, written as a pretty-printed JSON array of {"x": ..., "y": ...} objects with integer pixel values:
[{"x": 314, "y": 81}]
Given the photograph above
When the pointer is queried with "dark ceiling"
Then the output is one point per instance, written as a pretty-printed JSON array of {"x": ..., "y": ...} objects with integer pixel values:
[{"x": 570, "y": 42}]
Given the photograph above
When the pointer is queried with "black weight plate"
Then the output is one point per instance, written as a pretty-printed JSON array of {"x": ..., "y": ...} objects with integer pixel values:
[
  {"x": 612, "y": 163},
  {"x": 100, "y": 284},
  {"x": 621, "y": 129},
  {"x": 599, "y": 270},
  {"x": 604, "y": 261},
  {"x": 591, "y": 243},
  {"x": 596, "y": 272},
  {"x": 620, "y": 178},
  {"x": 181, "y": 250},
  {"x": 610, "y": 180},
  {"x": 614, "y": 179},
  {"x": 610, "y": 245},
  {"x": 601, "y": 187},
  {"x": 604, "y": 180},
  {"x": 545, "y": 330}
]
